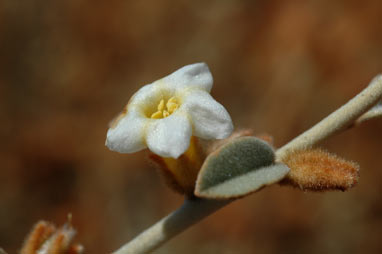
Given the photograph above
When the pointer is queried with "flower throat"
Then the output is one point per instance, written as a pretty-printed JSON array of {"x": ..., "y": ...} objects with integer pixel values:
[{"x": 165, "y": 110}]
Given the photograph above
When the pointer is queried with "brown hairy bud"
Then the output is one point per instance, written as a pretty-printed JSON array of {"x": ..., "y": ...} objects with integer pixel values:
[
  {"x": 266, "y": 137},
  {"x": 39, "y": 234},
  {"x": 318, "y": 170},
  {"x": 216, "y": 144},
  {"x": 46, "y": 239}
]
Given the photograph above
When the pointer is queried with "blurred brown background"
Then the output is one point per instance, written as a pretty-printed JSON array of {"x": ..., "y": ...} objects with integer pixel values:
[{"x": 68, "y": 67}]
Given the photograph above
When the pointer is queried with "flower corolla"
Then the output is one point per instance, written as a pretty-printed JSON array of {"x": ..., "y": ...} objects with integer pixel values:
[{"x": 165, "y": 114}]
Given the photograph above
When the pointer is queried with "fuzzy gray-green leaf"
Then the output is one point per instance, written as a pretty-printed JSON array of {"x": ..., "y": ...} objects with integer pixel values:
[
  {"x": 238, "y": 168},
  {"x": 245, "y": 184}
]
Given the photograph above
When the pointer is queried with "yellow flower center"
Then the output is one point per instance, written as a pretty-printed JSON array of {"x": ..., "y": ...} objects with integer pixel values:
[{"x": 165, "y": 111}]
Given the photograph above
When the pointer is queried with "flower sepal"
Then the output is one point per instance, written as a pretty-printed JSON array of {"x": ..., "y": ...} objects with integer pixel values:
[{"x": 180, "y": 174}]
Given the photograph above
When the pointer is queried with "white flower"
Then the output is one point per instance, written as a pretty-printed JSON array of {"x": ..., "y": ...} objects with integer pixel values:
[{"x": 165, "y": 114}]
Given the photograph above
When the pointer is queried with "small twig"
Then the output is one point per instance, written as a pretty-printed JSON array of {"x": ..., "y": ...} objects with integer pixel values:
[
  {"x": 374, "y": 113},
  {"x": 338, "y": 120},
  {"x": 195, "y": 210},
  {"x": 188, "y": 214}
]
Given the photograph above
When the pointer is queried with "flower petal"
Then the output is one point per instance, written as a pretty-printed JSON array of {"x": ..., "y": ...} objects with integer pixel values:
[
  {"x": 170, "y": 136},
  {"x": 195, "y": 75},
  {"x": 146, "y": 97},
  {"x": 128, "y": 135},
  {"x": 209, "y": 118}
]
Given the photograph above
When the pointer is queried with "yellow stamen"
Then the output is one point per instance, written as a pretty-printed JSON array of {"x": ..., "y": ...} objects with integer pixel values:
[
  {"x": 171, "y": 100},
  {"x": 165, "y": 111},
  {"x": 157, "y": 115},
  {"x": 161, "y": 105},
  {"x": 171, "y": 107}
]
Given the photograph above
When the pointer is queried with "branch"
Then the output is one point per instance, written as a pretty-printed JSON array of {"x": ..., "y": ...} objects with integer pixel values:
[
  {"x": 188, "y": 214},
  {"x": 374, "y": 113},
  {"x": 195, "y": 210},
  {"x": 337, "y": 121}
]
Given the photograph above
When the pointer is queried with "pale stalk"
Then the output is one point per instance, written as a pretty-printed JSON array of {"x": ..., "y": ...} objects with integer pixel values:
[
  {"x": 339, "y": 120},
  {"x": 374, "y": 113},
  {"x": 188, "y": 214},
  {"x": 193, "y": 211}
]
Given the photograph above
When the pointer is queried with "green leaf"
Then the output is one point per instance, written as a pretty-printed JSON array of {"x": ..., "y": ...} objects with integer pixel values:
[{"x": 238, "y": 168}]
